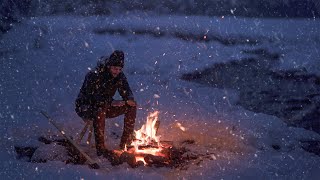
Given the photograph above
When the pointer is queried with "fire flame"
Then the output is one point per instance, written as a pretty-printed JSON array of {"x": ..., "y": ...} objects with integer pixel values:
[
  {"x": 147, "y": 141},
  {"x": 148, "y": 132}
]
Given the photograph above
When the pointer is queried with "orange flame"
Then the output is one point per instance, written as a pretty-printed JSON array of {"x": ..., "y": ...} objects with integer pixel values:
[{"x": 146, "y": 136}]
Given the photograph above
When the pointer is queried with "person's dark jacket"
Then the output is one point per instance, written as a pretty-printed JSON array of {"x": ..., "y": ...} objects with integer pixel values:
[{"x": 98, "y": 90}]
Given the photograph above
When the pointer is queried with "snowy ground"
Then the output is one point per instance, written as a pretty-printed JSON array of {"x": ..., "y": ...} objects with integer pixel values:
[{"x": 44, "y": 61}]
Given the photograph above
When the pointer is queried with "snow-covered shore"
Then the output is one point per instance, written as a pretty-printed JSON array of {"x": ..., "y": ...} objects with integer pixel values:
[{"x": 44, "y": 60}]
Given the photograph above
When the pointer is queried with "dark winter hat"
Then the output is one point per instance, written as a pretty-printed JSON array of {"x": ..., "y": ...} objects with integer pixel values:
[{"x": 116, "y": 59}]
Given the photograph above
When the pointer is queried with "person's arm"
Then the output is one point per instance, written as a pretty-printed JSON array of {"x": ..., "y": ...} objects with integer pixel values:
[
  {"x": 124, "y": 89},
  {"x": 88, "y": 89}
]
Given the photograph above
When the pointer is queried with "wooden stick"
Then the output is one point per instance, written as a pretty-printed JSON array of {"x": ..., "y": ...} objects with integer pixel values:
[
  {"x": 83, "y": 132},
  {"x": 90, "y": 133},
  {"x": 91, "y": 162}
]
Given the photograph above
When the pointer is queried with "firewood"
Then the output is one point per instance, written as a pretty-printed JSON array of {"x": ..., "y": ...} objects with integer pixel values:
[
  {"x": 130, "y": 158},
  {"x": 157, "y": 161}
]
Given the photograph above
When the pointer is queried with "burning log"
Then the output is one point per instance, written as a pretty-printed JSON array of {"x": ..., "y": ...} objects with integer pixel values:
[
  {"x": 165, "y": 144},
  {"x": 129, "y": 158},
  {"x": 158, "y": 161},
  {"x": 170, "y": 157},
  {"x": 136, "y": 160}
]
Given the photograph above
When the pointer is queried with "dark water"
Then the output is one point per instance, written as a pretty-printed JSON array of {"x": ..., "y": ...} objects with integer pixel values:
[{"x": 292, "y": 95}]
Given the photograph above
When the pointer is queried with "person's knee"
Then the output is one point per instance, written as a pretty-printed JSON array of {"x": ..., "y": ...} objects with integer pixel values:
[
  {"x": 131, "y": 108},
  {"x": 134, "y": 108},
  {"x": 83, "y": 112}
]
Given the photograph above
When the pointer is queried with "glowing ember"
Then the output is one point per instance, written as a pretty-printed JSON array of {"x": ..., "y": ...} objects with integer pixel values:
[{"x": 139, "y": 158}]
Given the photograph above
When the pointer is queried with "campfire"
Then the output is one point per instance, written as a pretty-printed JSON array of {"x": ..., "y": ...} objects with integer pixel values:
[{"x": 146, "y": 148}]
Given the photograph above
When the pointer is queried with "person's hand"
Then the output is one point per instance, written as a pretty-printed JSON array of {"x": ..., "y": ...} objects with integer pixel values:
[
  {"x": 118, "y": 103},
  {"x": 131, "y": 103}
]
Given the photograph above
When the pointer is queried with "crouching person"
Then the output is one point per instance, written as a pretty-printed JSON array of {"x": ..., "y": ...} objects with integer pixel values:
[{"x": 95, "y": 100}]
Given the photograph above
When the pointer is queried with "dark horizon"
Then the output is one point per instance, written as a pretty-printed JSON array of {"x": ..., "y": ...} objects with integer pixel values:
[{"x": 11, "y": 12}]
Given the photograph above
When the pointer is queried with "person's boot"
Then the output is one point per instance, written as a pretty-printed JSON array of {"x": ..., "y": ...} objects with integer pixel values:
[
  {"x": 128, "y": 129},
  {"x": 126, "y": 141}
]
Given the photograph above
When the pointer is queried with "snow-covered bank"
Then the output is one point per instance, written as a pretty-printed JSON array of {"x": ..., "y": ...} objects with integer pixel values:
[{"x": 46, "y": 60}]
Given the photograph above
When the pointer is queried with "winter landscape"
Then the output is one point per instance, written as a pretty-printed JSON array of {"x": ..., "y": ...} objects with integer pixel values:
[{"x": 240, "y": 95}]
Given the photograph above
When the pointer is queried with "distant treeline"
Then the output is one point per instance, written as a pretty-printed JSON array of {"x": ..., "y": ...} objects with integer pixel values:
[{"x": 12, "y": 11}]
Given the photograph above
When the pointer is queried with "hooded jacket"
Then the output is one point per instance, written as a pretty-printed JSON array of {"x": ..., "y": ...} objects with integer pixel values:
[{"x": 98, "y": 90}]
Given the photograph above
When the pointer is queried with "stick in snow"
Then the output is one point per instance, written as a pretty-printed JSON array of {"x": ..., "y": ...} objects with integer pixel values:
[{"x": 92, "y": 163}]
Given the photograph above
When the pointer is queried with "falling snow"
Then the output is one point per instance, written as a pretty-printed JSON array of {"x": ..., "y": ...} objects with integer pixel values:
[{"x": 242, "y": 93}]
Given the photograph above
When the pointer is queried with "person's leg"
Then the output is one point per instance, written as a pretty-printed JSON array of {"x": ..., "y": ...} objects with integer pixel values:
[
  {"x": 99, "y": 126},
  {"x": 130, "y": 113},
  {"x": 128, "y": 128}
]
